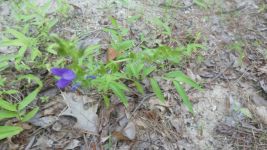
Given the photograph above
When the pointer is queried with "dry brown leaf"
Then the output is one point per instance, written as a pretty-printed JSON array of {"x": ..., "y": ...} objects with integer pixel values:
[
  {"x": 87, "y": 119},
  {"x": 119, "y": 136},
  {"x": 262, "y": 113},
  {"x": 151, "y": 115},
  {"x": 112, "y": 54},
  {"x": 73, "y": 144},
  {"x": 130, "y": 131}
]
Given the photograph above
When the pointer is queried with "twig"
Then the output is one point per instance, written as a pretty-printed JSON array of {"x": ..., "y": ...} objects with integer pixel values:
[
  {"x": 141, "y": 103},
  {"x": 222, "y": 72}
]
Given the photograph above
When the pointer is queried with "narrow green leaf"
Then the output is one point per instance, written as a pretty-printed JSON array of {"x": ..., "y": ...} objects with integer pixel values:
[
  {"x": 16, "y": 33},
  {"x": 106, "y": 100},
  {"x": 9, "y": 131},
  {"x": 201, "y": 3},
  {"x": 15, "y": 42},
  {"x": 184, "y": 96},
  {"x": 30, "y": 114},
  {"x": 148, "y": 70},
  {"x": 113, "y": 22},
  {"x": 246, "y": 112},
  {"x": 132, "y": 69},
  {"x": 21, "y": 53},
  {"x": 10, "y": 92},
  {"x": 28, "y": 99},
  {"x": 119, "y": 92},
  {"x": 139, "y": 87},
  {"x": 123, "y": 45},
  {"x": 34, "y": 53},
  {"x": 7, "y": 57},
  {"x": 32, "y": 77},
  {"x": 181, "y": 77},
  {"x": 7, "y": 105},
  {"x": 156, "y": 89},
  {"x": 120, "y": 85},
  {"x": 4, "y": 114},
  {"x": 51, "y": 49},
  {"x": 3, "y": 65}
]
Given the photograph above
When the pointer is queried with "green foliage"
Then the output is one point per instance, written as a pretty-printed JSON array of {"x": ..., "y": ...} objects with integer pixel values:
[
  {"x": 156, "y": 89},
  {"x": 184, "y": 96},
  {"x": 162, "y": 26},
  {"x": 30, "y": 39},
  {"x": 117, "y": 33},
  {"x": 19, "y": 39},
  {"x": 18, "y": 110},
  {"x": 181, "y": 77},
  {"x": 130, "y": 66},
  {"x": 9, "y": 131}
]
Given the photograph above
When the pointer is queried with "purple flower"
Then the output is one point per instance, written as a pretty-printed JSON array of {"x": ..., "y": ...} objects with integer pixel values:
[{"x": 66, "y": 76}]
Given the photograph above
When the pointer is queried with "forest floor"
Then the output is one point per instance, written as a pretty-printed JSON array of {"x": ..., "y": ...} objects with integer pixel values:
[{"x": 230, "y": 112}]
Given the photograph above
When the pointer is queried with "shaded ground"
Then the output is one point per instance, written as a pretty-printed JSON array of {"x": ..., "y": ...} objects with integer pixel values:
[{"x": 232, "y": 69}]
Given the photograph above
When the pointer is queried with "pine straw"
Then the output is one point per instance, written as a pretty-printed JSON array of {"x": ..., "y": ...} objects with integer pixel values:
[{"x": 249, "y": 135}]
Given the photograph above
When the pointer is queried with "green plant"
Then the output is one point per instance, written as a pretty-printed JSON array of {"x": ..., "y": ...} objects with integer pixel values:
[
  {"x": 18, "y": 110},
  {"x": 32, "y": 37},
  {"x": 129, "y": 67},
  {"x": 32, "y": 41},
  {"x": 162, "y": 26}
]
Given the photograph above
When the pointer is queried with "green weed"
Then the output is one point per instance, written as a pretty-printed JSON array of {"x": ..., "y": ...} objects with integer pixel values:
[
  {"x": 31, "y": 39},
  {"x": 110, "y": 77},
  {"x": 134, "y": 67},
  {"x": 18, "y": 110}
]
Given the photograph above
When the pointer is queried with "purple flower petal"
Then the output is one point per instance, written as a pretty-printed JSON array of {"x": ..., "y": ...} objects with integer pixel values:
[
  {"x": 59, "y": 71},
  {"x": 62, "y": 83},
  {"x": 64, "y": 73},
  {"x": 68, "y": 75}
]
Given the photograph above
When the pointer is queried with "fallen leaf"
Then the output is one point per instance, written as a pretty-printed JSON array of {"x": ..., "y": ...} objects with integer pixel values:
[
  {"x": 262, "y": 113},
  {"x": 87, "y": 119},
  {"x": 43, "y": 121},
  {"x": 73, "y": 144},
  {"x": 263, "y": 69},
  {"x": 112, "y": 54},
  {"x": 259, "y": 101},
  {"x": 130, "y": 131},
  {"x": 119, "y": 136},
  {"x": 151, "y": 115},
  {"x": 43, "y": 142},
  {"x": 177, "y": 124},
  {"x": 264, "y": 85}
]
